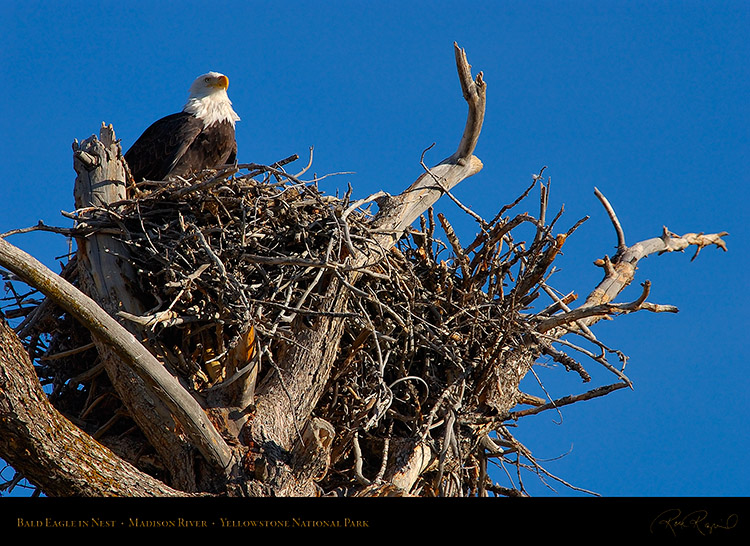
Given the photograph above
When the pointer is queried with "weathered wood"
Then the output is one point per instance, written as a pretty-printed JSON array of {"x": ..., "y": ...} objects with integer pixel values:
[
  {"x": 397, "y": 213},
  {"x": 620, "y": 269},
  {"x": 49, "y": 450},
  {"x": 162, "y": 385},
  {"x": 107, "y": 277},
  {"x": 100, "y": 183}
]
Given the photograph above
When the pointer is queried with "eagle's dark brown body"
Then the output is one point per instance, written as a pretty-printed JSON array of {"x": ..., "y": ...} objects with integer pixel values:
[{"x": 178, "y": 145}]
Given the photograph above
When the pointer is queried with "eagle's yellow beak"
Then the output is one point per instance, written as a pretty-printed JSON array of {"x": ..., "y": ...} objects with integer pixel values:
[{"x": 222, "y": 82}]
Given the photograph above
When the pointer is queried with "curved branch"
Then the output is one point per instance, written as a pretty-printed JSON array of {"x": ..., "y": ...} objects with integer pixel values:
[
  {"x": 613, "y": 217},
  {"x": 398, "y": 212},
  {"x": 48, "y": 449},
  {"x": 164, "y": 386},
  {"x": 474, "y": 94}
]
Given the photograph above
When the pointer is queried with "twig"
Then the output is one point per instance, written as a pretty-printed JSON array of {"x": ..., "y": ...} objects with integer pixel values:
[
  {"x": 613, "y": 217},
  {"x": 567, "y": 400}
]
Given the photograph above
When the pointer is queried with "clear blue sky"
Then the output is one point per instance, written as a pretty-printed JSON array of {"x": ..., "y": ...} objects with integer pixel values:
[{"x": 647, "y": 101}]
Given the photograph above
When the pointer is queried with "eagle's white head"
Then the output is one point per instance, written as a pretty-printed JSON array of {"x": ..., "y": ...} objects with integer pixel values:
[{"x": 209, "y": 101}]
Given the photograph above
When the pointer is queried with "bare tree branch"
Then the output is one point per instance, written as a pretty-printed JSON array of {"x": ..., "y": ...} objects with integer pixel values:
[
  {"x": 567, "y": 400},
  {"x": 619, "y": 272},
  {"x": 186, "y": 410},
  {"x": 621, "y": 246},
  {"x": 399, "y": 212},
  {"x": 282, "y": 407},
  {"x": 47, "y": 448}
]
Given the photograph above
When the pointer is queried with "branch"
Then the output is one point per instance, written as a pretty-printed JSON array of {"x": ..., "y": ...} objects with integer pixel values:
[
  {"x": 164, "y": 386},
  {"x": 567, "y": 400},
  {"x": 619, "y": 273},
  {"x": 620, "y": 270},
  {"x": 474, "y": 94},
  {"x": 613, "y": 217},
  {"x": 48, "y": 449},
  {"x": 396, "y": 213},
  {"x": 606, "y": 309}
]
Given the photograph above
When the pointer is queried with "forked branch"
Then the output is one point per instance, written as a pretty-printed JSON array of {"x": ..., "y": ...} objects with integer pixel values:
[{"x": 620, "y": 269}]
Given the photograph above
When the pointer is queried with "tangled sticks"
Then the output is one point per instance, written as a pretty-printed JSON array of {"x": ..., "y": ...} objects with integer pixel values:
[{"x": 436, "y": 335}]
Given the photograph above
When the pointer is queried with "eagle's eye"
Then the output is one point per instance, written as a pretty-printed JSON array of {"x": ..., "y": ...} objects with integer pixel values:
[{"x": 206, "y": 80}]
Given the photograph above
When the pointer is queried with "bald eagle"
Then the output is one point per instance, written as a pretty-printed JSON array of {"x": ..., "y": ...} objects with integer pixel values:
[{"x": 182, "y": 144}]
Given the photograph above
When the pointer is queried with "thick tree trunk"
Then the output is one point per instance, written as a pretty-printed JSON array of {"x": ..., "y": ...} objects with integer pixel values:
[{"x": 106, "y": 275}]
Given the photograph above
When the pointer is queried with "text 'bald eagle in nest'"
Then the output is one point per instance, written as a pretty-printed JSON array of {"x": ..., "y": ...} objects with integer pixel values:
[{"x": 188, "y": 142}]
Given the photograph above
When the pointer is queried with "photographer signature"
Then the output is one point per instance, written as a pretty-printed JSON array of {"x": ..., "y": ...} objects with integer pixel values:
[{"x": 674, "y": 520}]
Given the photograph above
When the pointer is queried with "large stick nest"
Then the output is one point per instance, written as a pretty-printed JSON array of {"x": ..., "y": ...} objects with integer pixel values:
[{"x": 435, "y": 343}]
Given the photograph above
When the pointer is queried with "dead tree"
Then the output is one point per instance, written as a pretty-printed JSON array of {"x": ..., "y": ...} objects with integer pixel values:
[{"x": 242, "y": 334}]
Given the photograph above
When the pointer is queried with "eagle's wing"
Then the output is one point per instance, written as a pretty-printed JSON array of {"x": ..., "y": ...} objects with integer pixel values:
[{"x": 156, "y": 152}]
